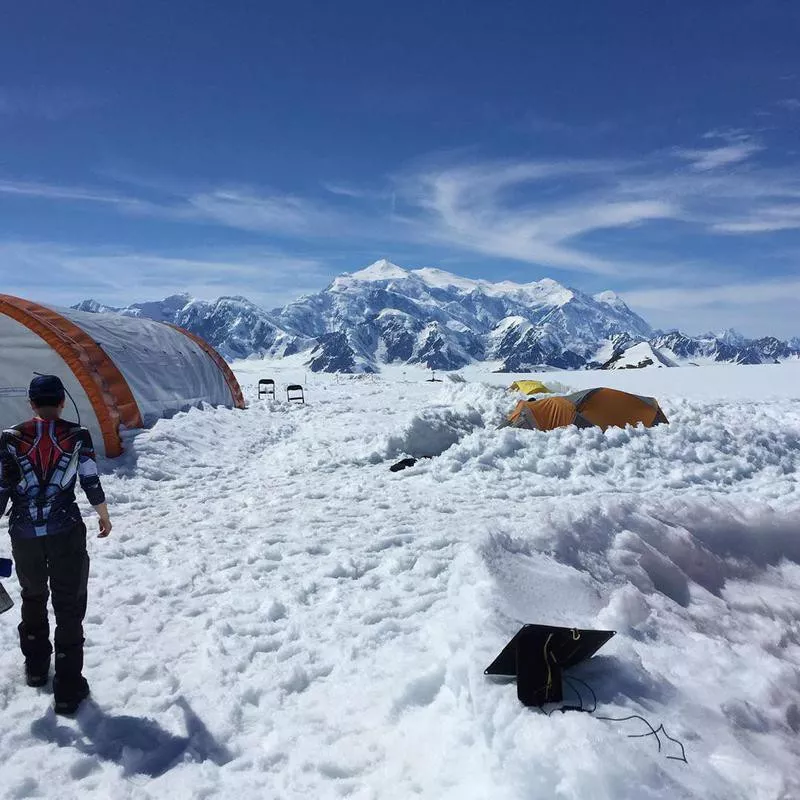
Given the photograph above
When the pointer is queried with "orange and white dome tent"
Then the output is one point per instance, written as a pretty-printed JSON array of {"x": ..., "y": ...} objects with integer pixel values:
[
  {"x": 602, "y": 408},
  {"x": 120, "y": 371}
]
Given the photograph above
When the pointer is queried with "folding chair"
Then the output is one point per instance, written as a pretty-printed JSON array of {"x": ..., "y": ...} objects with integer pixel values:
[
  {"x": 266, "y": 388},
  {"x": 295, "y": 392}
]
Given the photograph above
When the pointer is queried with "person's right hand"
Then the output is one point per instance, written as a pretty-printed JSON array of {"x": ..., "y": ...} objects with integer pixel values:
[{"x": 104, "y": 523}]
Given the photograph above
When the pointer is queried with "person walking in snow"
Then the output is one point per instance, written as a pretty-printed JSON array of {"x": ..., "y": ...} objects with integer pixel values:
[{"x": 40, "y": 462}]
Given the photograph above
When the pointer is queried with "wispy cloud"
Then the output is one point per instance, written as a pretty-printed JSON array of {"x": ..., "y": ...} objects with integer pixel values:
[
  {"x": 739, "y": 294},
  {"x": 790, "y": 103},
  {"x": 541, "y": 212},
  {"x": 276, "y": 213},
  {"x": 738, "y": 147},
  {"x": 764, "y": 220},
  {"x": 50, "y": 192},
  {"x": 546, "y": 212},
  {"x": 114, "y": 275},
  {"x": 472, "y": 207},
  {"x": 239, "y": 208},
  {"x": 715, "y": 157},
  {"x": 356, "y": 192}
]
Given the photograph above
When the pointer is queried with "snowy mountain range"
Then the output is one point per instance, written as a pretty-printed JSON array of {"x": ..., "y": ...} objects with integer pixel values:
[{"x": 385, "y": 314}]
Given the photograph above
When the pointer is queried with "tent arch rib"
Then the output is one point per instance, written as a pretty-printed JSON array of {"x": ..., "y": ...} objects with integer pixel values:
[
  {"x": 121, "y": 371},
  {"x": 105, "y": 386}
]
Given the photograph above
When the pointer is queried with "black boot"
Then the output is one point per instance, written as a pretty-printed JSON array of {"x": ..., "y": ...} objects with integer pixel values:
[
  {"x": 37, "y": 672},
  {"x": 69, "y": 694},
  {"x": 36, "y": 648},
  {"x": 70, "y": 688}
]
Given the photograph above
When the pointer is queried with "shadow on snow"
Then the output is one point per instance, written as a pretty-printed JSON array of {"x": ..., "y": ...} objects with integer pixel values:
[{"x": 139, "y": 746}]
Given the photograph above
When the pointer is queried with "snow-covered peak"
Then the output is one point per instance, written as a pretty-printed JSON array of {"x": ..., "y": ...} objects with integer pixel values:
[
  {"x": 545, "y": 290},
  {"x": 386, "y": 313},
  {"x": 94, "y": 307},
  {"x": 510, "y": 323},
  {"x": 639, "y": 355},
  {"x": 728, "y": 335},
  {"x": 473, "y": 316},
  {"x": 381, "y": 270},
  {"x": 612, "y": 299},
  {"x": 182, "y": 298},
  {"x": 440, "y": 279},
  {"x": 159, "y": 310}
]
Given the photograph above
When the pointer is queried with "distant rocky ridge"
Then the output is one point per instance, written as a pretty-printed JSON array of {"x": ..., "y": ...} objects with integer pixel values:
[
  {"x": 386, "y": 314},
  {"x": 233, "y": 325}
]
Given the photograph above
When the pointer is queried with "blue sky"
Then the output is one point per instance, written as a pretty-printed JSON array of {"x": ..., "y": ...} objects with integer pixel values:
[{"x": 260, "y": 148}]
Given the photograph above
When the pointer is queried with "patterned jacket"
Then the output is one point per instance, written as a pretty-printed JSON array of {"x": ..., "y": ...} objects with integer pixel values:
[{"x": 40, "y": 462}]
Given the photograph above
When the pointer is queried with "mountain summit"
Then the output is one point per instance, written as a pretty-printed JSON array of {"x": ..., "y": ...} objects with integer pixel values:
[{"x": 385, "y": 313}]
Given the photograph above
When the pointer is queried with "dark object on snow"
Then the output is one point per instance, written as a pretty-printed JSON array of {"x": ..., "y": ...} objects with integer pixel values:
[
  {"x": 266, "y": 388},
  {"x": 537, "y": 654},
  {"x": 5, "y": 572},
  {"x": 406, "y": 462},
  {"x": 295, "y": 392},
  {"x": 5, "y": 600}
]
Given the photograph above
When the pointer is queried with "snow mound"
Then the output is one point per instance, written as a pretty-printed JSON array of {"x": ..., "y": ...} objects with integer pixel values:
[
  {"x": 696, "y": 591},
  {"x": 557, "y": 387},
  {"x": 431, "y": 432},
  {"x": 701, "y": 447},
  {"x": 460, "y": 409}
]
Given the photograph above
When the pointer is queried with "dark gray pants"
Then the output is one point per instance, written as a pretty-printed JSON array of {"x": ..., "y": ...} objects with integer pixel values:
[{"x": 62, "y": 561}]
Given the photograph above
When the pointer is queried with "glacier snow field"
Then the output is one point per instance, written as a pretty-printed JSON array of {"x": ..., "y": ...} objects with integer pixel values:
[{"x": 277, "y": 615}]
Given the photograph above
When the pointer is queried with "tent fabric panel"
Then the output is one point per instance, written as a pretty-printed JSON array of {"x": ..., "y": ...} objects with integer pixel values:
[
  {"x": 167, "y": 371},
  {"x": 513, "y": 418},
  {"x": 579, "y": 398},
  {"x": 520, "y": 417},
  {"x": 651, "y": 401},
  {"x": 103, "y": 383},
  {"x": 527, "y": 419},
  {"x": 612, "y": 408},
  {"x": 529, "y": 387},
  {"x": 552, "y": 412},
  {"x": 230, "y": 379},
  {"x": 24, "y": 351}
]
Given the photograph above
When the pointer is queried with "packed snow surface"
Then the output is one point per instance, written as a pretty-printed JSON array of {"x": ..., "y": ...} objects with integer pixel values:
[{"x": 277, "y": 615}]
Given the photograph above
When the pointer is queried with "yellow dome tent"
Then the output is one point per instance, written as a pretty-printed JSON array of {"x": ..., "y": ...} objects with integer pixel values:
[{"x": 529, "y": 387}]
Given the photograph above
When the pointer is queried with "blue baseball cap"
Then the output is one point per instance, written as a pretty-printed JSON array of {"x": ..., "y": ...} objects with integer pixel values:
[{"x": 46, "y": 387}]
